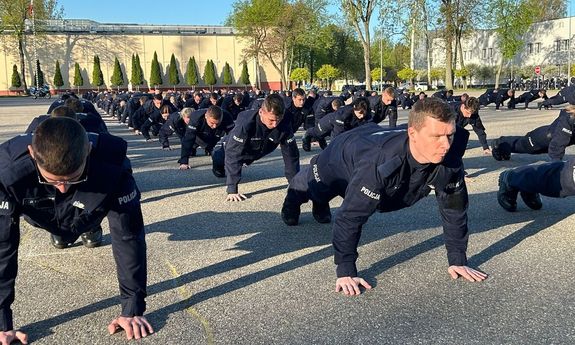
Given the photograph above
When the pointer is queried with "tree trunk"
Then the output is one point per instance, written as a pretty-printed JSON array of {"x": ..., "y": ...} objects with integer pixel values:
[
  {"x": 498, "y": 74},
  {"x": 22, "y": 64},
  {"x": 448, "y": 63},
  {"x": 366, "y": 56},
  {"x": 461, "y": 63},
  {"x": 412, "y": 47}
]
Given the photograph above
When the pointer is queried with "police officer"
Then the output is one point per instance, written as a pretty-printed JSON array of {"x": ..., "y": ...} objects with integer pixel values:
[
  {"x": 87, "y": 107},
  {"x": 64, "y": 181},
  {"x": 376, "y": 169},
  {"x": 488, "y": 97},
  {"x": 384, "y": 106},
  {"x": 176, "y": 123},
  {"x": 298, "y": 110},
  {"x": 256, "y": 134},
  {"x": 233, "y": 104},
  {"x": 320, "y": 131},
  {"x": 468, "y": 114},
  {"x": 529, "y": 96},
  {"x": 553, "y": 179},
  {"x": 89, "y": 122},
  {"x": 197, "y": 101},
  {"x": 444, "y": 95},
  {"x": 343, "y": 119},
  {"x": 551, "y": 139},
  {"x": 205, "y": 129},
  {"x": 155, "y": 121},
  {"x": 565, "y": 95}
]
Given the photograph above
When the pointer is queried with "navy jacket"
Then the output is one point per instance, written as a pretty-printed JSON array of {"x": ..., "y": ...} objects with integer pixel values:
[
  {"x": 380, "y": 111},
  {"x": 559, "y": 135},
  {"x": 110, "y": 191},
  {"x": 88, "y": 107},
  {"x": 474, "y": 121},
  {"x": 250, "y": 140},
  {"x": 373, "y": 170},
  {"x": 198, "y": 133},
  {"x": 91, "y": 123}
]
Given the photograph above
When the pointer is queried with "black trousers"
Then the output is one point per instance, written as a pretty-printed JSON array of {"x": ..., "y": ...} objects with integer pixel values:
[{"x": 553, "y": 179}]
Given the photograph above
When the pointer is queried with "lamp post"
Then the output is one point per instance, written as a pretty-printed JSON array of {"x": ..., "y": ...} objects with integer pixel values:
[{"x": 569, "y": 48}]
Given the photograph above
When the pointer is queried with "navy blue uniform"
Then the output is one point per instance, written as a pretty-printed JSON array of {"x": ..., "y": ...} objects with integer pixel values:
[
  {"x": 198, "y": 133},
  {"x": 380, "y": 111},
  {"x": 474, "y": 121},
  {"x": 323, "y": 107},
  {"x": 551, "y": 139},
  {"x": 442, "y": 94},
  {"x": 110, "y": 191},
  {"x": 502, "y": 96},
  {"x": 152, "y": 118},
  {"x": 191, "y": 103},
  {"x": 91, "y": 123},
  {"x": 174, "y": 124},
  {"x": 527, "y": 97},
  {"x": 554, "y": 179},
  {"x": 249, "y": 141},
  {"x": 231, "y": 107},
  {"x": 299, "y": 116},
  {"x": 565, "y": 95},
  {"x": 373, "y": 170},
  {"x": 488, "y": 97},
  {"x": 88, "y": 107}
]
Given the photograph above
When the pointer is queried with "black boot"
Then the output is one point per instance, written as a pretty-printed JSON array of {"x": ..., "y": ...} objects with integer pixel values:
[
  {"x": 92, "y": 238},
  {"x": 59, "y": 242},
  {"x": 507, "y": 195},
  {"x": 306, "y": 143},
  {"x": 290, "y": 213},
  {"x": 321, "y": 212},
  {"x": 532, "y": 200},
  {"x": 495, "y": 150}
]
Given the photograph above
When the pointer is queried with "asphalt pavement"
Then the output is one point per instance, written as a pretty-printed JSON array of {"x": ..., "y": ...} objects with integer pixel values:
[{"x": 233, "y": 273}]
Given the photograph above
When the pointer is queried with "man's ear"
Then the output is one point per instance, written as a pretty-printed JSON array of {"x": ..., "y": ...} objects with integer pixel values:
[
  {"x": 411, "y": 133},
  {"x": 31, "y": 151}
]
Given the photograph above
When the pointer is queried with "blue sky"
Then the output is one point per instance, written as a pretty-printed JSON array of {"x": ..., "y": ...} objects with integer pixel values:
[{"x": 192, "y": 12}]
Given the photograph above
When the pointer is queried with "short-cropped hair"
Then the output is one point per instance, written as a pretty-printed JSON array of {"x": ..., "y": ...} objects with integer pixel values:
[
  {"x": 74, "y": 104},
  {"x": 60, "y": 145},
  {"x": 214, "y": 112},
  {"x": 186, "y": 112},
  {"x": 275, "y": 104},
  {"x": 361, "y": 104},
  {"x": 433, "y": 107},
  {"x": 64, "y": 111},
  {"x": 472, "y": 104}
]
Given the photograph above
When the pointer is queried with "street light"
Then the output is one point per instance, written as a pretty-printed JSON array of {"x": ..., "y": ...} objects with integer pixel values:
[{"x": 569, "y": 48}]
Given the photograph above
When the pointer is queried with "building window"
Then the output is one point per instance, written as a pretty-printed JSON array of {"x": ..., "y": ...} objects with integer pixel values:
[
  {"x": 558, "y": 45},
  {"x": 530, "y": 48},
  {"x": 485, "y": 53},
  {"x": 538, "y": 47},
  {"x": 565, "y": 45},
  {"x": 490, "y": 52}
]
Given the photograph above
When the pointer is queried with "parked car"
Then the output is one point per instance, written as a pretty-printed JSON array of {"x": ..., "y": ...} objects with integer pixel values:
[{"x": 421, "y": 86}]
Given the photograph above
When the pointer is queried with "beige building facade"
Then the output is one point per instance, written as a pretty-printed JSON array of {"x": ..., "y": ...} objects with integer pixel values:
[{"x": 71, "y": 41}]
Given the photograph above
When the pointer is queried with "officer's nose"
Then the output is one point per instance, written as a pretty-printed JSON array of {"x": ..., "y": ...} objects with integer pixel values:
[{"x": 62, "y": 188}]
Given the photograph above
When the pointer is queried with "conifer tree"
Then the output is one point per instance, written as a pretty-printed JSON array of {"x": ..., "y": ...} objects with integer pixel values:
[
  {"x": 155, "y": 73},
  {"x": 58, "y": 80}
]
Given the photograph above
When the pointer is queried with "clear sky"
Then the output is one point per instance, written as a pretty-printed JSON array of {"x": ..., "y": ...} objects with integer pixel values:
[{"x": 191, "y": 12}]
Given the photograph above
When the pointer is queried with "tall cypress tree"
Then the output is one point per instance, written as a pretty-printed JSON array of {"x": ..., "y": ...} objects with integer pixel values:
[
  {"x": 97, "y": 75},
  {"x": 117, "y": 78},
  {"x": 245, "y": 77},
  {"x": 78, "y": 79},
  {"x": 58, "y": 80},
  {"x": 210, "y": 74},
  {"x": 40, "y": 80},
  {"x": 140, "y": 78},
  {"x": 155, "y": 73},
  {"x": 227, "y": 74},
  {"x": 16, "y": 80},
  {"x": 173, "y": 72},
  {"x": 192, "y": 72}
]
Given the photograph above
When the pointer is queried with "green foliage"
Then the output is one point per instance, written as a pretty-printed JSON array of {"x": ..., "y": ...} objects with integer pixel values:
[
  {"x": 484, "y": 73},
  {"x": 245, "y": 77},
  {"x": 173, "y": 74},
  {"x": 210, "y": 73},
  {"x": 327, "y": 72},
  {"x": 462, "y": 73},
  {"x": 472, "y": 70},
  {"x": 78, "y": 79},
  {"x": 16, "y": 81},
  {"x": 511, "y": 19},
  {"x": 117, "y": 78},
  {"x": 376, "y": 74},
  {"x": 300, "y": 74},
  {"x": 192, "y": 72},
  {"x": 407, "y": 74},
  {"x": 58, "y": 80},
  {"x": 227, "y": 74},
  {"x": 40, "y": 80},
  {"x": 139, "y": 77},
  {"x": 437, "y": 73},
  {"x": 97, "y": 75},
  {"x": 155, "y": 73}
]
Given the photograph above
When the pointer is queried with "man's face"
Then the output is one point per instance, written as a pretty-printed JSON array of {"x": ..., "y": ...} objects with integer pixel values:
[
  {"x": 165, "y": 115},
  {"x": 358, "y": 114},
  {"x": 465, "y": 111},
  {"x": 431, "y": 142},
  {"x": 212, "y": 123},
  {"x": 157, "y": 103},
  {"x": 186, "y": 120},
  {"x": 214, "y": 101},
  {"x": 387, "y": 99},
  {"x": 237, "y": 102},
  {"x": 298, "y": 101},
  {"x": 269, "y": 119},
  {"x": 197, "y": 98}
]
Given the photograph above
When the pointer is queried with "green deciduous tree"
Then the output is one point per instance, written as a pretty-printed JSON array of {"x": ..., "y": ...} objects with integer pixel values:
[
  {"x": 173, "y": 74},
  {"x": 14, "y": 15},
  {"x": 227, "y": 75},
  {"x": 58, "y": 80},
  {"x": 117, "y": 78},
  {"x": 407, "y": 74},
  {"x": 16, "y": 81},
  {"x": 328, "y": 73},
  {"x": 210, "y": 74},
  {"x": 192, "y": 72},
  {"x": 78, "y": 79},
  {"x": 155, "y": 73},
  {"x": 97, "y": 75},
  {"x": 300, "y": 75}
]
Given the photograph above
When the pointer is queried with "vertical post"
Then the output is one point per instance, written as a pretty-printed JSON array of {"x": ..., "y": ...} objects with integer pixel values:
[
  {"x": 569, "y": 48},
  {"x": 381, "y": 59},
  {"x": 34, "y": 45}
]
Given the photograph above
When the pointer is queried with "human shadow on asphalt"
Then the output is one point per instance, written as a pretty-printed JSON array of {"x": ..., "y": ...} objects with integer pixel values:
[
  {"x": 271, "y": 238},
  {"x": 485, "y": 164}
]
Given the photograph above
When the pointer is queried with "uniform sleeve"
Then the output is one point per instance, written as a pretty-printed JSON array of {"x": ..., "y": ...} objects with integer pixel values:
[
  {"x": 361, "y": 199},
  {"x": 290, "y": 155},
  {"x": 9, "y": 240},
  {"x": 325, "y": 126},
  {"x": 237, "y": 140},
  {"x": 453, "y": 201},
  {"x": 145, "y": 129},
  {"x": 338, "y": 126},
  {"x": 479, "y": 129},
  {"x": 560, "y": 138},
  {"x": 129, "y": 246},
  {"x": 188, "y": 141},
  {"x": 165, "y": 132}
]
